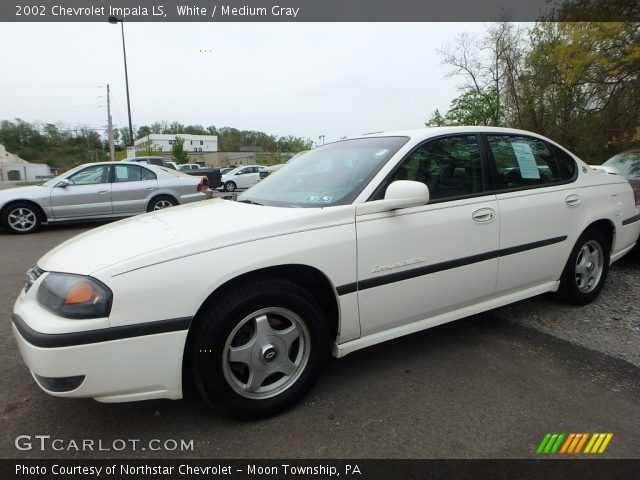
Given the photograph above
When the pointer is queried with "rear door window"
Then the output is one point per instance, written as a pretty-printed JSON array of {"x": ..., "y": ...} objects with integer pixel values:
[
  {"x": 127, "y": 173},
  {"x": 528, "y": 162}
]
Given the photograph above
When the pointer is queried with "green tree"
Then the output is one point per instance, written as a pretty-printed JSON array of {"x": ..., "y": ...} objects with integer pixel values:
[
  {"x": 575, "y": 82},
  {"x": 436, "y": 120},
  {"x": 124, "y": 136},
  {"x": 143, "y": 131},
  {"x": 178, "y": 153}
]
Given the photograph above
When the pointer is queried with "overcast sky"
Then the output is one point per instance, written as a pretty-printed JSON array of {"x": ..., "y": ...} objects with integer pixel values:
[{"x": 304, "y": 79}]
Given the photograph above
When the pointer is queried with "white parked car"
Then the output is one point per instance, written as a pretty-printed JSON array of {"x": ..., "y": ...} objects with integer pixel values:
[
  {"x": 356, "y": 242},
  {"x": 97, "y": 191},
  {"x": 265, "y": 172},
  {"x": 241, "y": 177}
]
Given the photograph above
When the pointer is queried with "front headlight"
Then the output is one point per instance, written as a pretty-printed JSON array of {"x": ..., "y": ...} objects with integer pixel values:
[{"x": 74, "y": 296}]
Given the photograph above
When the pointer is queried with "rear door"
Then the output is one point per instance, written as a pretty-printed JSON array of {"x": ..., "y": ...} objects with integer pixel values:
[
  {"x": 540, "y": 208},
  {"x": 132, "y": 188},
  {"x": 88, "y": 194},
  {"x": 419, "y": 262}
]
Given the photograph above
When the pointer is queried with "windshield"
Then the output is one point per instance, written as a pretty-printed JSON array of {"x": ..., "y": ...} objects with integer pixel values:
[
  {"x": 332, "y": 174},
  {"x": 233, "y": 171},
  {"x": 627, "y": 163}
]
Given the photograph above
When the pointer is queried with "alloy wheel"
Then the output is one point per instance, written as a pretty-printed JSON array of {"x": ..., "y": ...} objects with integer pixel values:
[
  {"x": 22, "y": 219},
  {"x": 589, "y": 266},
  {"x": 266, "y": 353},
  {"x": 160, "y": 204}
]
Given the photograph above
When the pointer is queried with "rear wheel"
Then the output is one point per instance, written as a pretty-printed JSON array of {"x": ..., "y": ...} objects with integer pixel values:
[
  {"x": 587, "y": 268},
  {"x": 160, "y": 203},
  {"x": 261, "y": 348},
  {"x": 21, "y": 218}
]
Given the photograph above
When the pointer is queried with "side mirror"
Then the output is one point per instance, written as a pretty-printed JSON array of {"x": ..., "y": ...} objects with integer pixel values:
[
  {"x": 63, "y": 183},
  {"x": 400, "y": 194}
]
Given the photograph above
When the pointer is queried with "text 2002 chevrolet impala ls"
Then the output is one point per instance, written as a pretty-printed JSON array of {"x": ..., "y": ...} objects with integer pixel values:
[{"x": 354, "y": 243}]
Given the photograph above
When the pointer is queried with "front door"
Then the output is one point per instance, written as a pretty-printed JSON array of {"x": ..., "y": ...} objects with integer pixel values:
[
  {"x": 88, "y": 194},
  {"x": 246, "y": 177},
  {"x": 418, "y": 262}
]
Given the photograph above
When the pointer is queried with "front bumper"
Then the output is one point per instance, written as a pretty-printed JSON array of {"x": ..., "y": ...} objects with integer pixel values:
[{"x": 137, "y": 362}]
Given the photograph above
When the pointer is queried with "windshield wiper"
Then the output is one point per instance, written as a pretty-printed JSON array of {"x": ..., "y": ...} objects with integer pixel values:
[{"x": 250, "y": 202}]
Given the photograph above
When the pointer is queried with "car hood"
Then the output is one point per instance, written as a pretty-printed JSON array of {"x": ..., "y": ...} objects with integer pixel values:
[
  {"x": 34, "y": 192},
  {"x": 176, "y": 232}
]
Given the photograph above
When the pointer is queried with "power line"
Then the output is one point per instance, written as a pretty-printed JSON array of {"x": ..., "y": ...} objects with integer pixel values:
[{"x": 117, "y": 110}]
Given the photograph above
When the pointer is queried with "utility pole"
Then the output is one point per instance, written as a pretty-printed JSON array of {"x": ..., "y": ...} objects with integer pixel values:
[{"x": 111, "y": 147}]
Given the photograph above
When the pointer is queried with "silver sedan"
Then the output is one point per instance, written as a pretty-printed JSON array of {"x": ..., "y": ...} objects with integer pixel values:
[{"x": 98, "y": 190}]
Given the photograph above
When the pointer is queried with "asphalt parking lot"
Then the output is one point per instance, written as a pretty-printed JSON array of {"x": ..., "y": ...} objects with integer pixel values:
[{"x": 489, "y": 386}]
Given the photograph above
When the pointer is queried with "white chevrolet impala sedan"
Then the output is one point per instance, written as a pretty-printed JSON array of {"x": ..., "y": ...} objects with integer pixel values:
[{"x": 354, "y": 243}]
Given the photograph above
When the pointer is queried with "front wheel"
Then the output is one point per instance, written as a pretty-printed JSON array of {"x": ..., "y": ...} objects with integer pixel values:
[
  {"x": 260, "y": 348},
  {"x": 229, "y": 186},
  {"x": 21, "y": 218},
  {"x": 586, "y": 270}
]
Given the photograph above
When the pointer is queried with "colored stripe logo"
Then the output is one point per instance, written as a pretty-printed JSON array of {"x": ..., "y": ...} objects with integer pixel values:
[{"x": 573, "y": 443}]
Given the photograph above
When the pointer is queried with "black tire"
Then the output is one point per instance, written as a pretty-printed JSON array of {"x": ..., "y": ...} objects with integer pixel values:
[
  {"x": 229, "y": 186},
  {"x": 571, "y": 290},
  {"x": 224, "y": 321},
  {"x": 21, "y": 218},
  {"x": 160, "y": 202}
]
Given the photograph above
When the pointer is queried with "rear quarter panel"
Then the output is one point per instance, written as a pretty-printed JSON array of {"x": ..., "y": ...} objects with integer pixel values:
[{"x": 609, "y": 197}]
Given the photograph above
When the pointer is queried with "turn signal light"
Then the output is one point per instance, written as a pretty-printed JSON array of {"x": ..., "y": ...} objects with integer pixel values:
[{"x": 80, "y": 293}]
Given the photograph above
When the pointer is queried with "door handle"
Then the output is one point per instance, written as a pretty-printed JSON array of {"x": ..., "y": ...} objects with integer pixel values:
[
  {"x": 102, "y": 192},
  {"x": 572, "y": 200},
  {"x": 151, "y": 188},
  {"x": 484, "y": 215}
]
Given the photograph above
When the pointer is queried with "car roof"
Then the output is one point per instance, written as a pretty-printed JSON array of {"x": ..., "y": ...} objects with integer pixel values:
[
  {"x": 117, "y": 162},
  {"x": 429, "y": 132}
]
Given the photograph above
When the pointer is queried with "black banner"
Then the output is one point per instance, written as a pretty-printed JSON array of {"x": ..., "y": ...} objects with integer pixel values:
[{"x": 583, "y": 469}]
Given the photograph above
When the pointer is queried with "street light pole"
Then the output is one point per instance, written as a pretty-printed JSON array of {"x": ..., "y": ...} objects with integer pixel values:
[{"x": 114, "y": 21}]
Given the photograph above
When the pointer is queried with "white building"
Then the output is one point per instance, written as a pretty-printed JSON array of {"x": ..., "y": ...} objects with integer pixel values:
[
  {"x": 192, "y": 143},
  {"x": 14, "y": 168}
]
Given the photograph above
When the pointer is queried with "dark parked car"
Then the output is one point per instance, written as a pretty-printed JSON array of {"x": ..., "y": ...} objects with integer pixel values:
[
  {"x": 628, "y": 164},
  {"x": 213, "y": 174},
  {"x": 159, "y": 161}
]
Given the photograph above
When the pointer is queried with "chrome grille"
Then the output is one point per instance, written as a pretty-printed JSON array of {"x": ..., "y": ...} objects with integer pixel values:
[{"x": 32, "y": 275}]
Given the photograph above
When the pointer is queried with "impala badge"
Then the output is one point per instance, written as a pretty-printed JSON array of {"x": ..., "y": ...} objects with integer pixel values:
[{"x": 391, "y": 266}]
